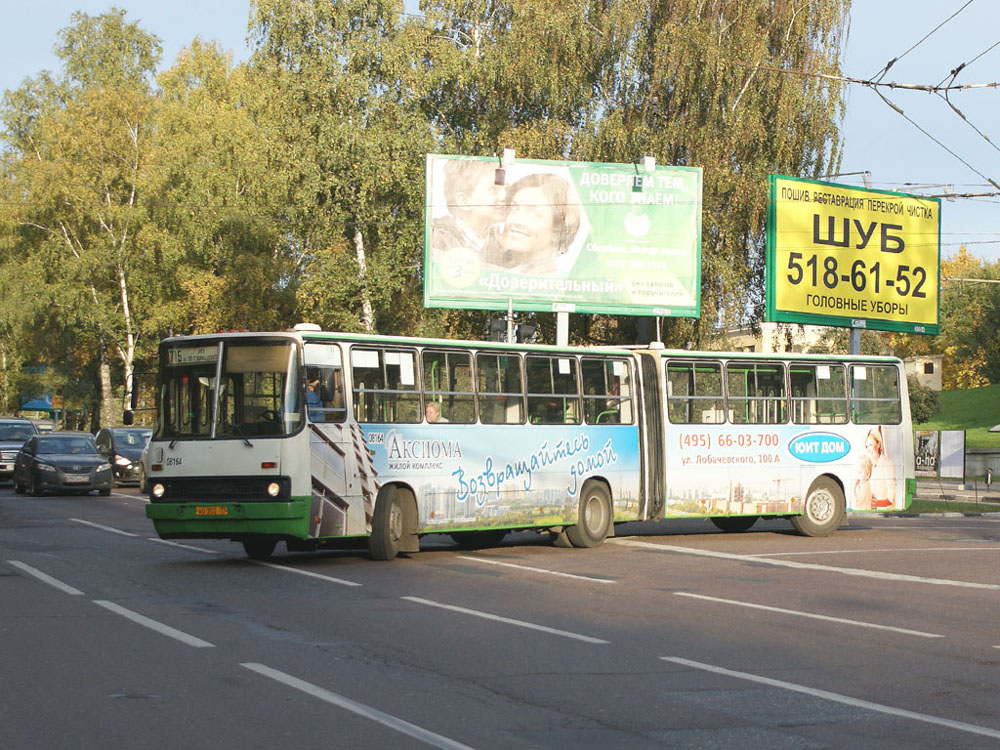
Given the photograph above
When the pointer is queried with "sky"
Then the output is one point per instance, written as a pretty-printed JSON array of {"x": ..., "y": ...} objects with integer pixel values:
[{"x": 877, "y": 139}]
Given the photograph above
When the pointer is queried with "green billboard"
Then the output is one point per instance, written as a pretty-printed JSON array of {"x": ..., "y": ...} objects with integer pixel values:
[{"x": 562, "y": 236}]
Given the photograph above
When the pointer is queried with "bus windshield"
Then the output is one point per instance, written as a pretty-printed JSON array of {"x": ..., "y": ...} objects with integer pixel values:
[{"x": 233, "y": 388}]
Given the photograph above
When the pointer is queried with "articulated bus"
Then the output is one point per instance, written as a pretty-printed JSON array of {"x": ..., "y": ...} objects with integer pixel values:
[{"x": 322, "y": 440}]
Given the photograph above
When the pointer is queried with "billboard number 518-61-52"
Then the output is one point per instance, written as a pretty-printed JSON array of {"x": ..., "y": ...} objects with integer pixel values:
[{"x": 828, "y": 272}]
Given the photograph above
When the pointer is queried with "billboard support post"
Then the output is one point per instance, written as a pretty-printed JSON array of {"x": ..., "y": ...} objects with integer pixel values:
[
  {"x": 855, "y": 341},
  {"x": 562, "y": 329}
]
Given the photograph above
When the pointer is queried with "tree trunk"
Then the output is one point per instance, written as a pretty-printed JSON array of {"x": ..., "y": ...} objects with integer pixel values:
[
  {"x": 367, "y": 314},
  {"x": 108, "y": 414}
]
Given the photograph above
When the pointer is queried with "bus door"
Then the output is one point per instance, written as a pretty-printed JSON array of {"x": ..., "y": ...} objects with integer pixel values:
[{"x": 334, "y": 442}]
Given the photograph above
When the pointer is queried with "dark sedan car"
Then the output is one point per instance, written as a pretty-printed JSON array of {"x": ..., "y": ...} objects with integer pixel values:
[
  {"x": 61, "y": 462},
  {"x": 13, "y": 433},
  {"x": 122, "y": 446}
]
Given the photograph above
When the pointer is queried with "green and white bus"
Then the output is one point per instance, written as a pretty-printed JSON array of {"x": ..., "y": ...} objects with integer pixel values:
[{"x": 320, "y": 439}]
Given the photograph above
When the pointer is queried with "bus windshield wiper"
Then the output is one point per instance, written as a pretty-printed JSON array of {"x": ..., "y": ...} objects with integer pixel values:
[{"x": 246, "y": 442}]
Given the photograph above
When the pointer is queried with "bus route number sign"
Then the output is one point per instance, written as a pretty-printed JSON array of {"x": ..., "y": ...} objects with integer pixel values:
[{"x": 839, "y": 255}]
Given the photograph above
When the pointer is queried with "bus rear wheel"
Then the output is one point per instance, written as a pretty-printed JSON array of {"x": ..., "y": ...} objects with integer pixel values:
[
  {"x": 260, "y": 547},
  {"x": 594, "y": 517},
  {"x": 734, "y": 524},
  {"x": 824, "y": 509}
]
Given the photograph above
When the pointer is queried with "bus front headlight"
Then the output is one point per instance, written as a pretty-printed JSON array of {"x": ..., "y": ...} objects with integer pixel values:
[
  {"x": 274, "y": 489},
  {"x": 158, "y": 490}
]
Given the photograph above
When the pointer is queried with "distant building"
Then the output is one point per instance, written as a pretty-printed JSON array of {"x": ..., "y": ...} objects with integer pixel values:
[
  {"x": 774, "y": 338},
  {"x": 926, "y": 369}
]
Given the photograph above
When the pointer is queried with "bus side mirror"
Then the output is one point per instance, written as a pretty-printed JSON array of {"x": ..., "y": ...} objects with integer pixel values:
[{"x": 128, "y": 418}]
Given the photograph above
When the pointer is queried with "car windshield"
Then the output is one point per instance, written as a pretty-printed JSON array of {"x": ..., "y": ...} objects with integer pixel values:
[
  {"x": 131, "y": 438},
  {"x": 63, "y": 445},
  {"x": 15, "y": 432}
]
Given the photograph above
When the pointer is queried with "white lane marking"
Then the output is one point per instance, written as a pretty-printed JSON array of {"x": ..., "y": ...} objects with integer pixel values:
[
  {"x": 814, "y": 616},
  {"x": 183, "y": 546},
  {"x": 487, "y": 561},
  {"x": 860, "y": 572},
  {"x": 838, "y": 698},
  {"x": 994, "y": 548},
  {"x": 507, "y": 620},
  {"x": 103, "y": 527},
  {"x": 367, "y": 712},
  {"x": 45, "y": 578},
  {"x": 331, "y": 579},
  {"x": 159, "y": 627}
]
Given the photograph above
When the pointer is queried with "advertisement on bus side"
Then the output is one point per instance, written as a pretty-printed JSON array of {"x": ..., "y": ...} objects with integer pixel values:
[
  {"x": 767, "y": 469},
  {"x": 470, "y": 478}
]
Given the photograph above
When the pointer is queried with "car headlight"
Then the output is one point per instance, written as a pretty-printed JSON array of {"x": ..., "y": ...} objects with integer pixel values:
[
  {"x": 122, "y": 461},
  {"x": 44, "y": 467},
  {"x": 104, "y": 467}
]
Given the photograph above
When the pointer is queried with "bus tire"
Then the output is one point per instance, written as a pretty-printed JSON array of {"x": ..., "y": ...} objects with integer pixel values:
[
  {"x": 593, "y": 518},
  {"x": 733, "y": 524},
  {"x": 478, "y": 539},
  {"x": 824, "y": 509},
  {"x": 259, "y": 547},
  {"x": 394, "y": 524}
]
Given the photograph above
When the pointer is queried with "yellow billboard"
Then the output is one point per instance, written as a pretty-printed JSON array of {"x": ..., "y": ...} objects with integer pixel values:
[{"x": 846, "y": 256}]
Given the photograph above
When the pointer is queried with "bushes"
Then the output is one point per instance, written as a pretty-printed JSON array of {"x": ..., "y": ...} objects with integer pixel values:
[{"x": 924, "y": 401}]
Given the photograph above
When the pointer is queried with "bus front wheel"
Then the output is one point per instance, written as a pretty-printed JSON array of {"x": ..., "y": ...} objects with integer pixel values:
[
  {"x": 259, "y": 548},
  {"x": 394, "y": 524},
  {"x": 824, "y": 509},
  {"x": 594, "y": 517}
]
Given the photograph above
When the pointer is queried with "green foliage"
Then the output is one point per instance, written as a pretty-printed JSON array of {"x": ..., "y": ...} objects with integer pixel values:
[
  {"x": 974, "y": 410},
  {"x": 139, "y": 203},
  {"x": 924, "y": 401},
  {"x": 970, "y": 319}
]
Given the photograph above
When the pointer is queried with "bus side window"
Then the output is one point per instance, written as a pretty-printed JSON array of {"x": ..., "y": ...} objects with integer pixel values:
[
  {"x": 447, "y": 383},
  {"x": 607, "y": 390},
  {"x": 694, "y": 392},
  {"x": 385, "y": 385},
  {"x": 325, "y": 398},
  {"x": 553, "y": 389},
  {"x": 875, "y": 396},
  {"x": 755, "y": 392},
  {"x": 819, "y": 393},
  {"x": 499, "y": 388}
]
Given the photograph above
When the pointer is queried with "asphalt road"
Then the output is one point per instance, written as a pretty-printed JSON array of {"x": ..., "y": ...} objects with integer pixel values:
[{"x": 671, "y": 635}]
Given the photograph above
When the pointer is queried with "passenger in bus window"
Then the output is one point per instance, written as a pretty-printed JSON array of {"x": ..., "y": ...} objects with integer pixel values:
[
  {"x": 433, "y": 412},
  {"x": 314, "y": 404}
]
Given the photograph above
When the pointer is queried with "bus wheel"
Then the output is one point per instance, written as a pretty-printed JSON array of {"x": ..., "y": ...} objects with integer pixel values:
[
  {"x": 394, "y": 524},
  {"x": 824, "y": 509},
  {"x": 259, "y": 547},
  {"x": 478, "y": 539},
  {"x": 731, "y": 524},
  {"x": 594, "y": 517}
]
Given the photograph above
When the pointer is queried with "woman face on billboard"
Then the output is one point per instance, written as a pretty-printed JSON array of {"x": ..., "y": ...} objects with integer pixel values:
[
  {"x": 539, "y": 224},
  {"x": 529, "y": 228}
]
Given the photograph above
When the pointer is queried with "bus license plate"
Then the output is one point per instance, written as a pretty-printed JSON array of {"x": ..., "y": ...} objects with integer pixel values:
[{"x": 211, "y": 510}]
